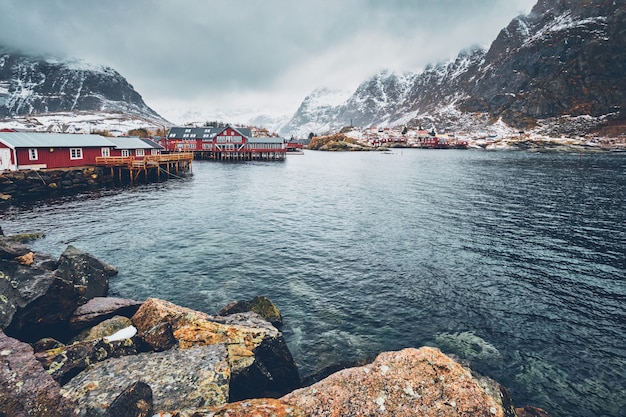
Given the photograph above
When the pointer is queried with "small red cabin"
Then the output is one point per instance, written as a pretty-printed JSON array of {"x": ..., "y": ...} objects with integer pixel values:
[{"x": 20, "y": 150}]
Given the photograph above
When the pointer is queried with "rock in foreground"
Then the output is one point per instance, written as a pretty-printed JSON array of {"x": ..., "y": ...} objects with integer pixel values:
[
  {"x": 258, "y": 356},
  {"x": 178, "y": 379},
  {"x": 410, "y": 382},
  {"x": 25, "y": 388}
]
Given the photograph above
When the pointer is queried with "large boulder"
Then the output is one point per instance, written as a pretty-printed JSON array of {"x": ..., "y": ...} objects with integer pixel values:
[
  {"x": 65, "y": 362},
  {"x": 179, "y": 379},
  {"x": 409, "y": 382},
  {"x": 26, "y": 389},
  {"x": 88, "y": 274},
  {"x": 99, "y": 309},
  {"x": 260, "y": 361},
  {"x": 37, "y": 298},
  {"x": 32, "y": 297}
]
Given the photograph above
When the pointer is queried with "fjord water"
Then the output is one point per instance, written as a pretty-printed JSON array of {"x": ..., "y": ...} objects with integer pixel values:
[{"x": 515, "y": 261}]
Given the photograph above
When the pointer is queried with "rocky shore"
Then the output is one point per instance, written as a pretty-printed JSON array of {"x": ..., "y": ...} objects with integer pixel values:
[{"x": 66, "y": 349}]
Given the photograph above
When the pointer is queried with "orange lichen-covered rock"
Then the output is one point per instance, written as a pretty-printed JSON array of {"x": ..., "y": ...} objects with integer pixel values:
[
  {"x": 263, "y": 407},
  {"x": 260, "y": 361},
  {"x": 409, "y": 382}
]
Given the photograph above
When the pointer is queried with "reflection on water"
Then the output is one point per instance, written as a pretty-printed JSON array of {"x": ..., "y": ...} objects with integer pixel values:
[{"x": 515, "y": 261}]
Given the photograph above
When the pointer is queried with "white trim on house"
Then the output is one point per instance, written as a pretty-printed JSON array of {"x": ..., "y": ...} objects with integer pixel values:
[{"x": 76, "y": 153}]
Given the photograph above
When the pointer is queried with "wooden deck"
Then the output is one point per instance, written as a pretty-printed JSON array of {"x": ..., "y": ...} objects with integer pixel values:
[{"x": 167, "y": 164}]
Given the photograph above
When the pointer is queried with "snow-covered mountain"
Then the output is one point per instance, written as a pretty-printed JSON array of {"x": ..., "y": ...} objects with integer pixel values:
[
  {"x": 562, "y": 68},
  {"x": 31, "y": 85},
  {"x": 317, "y": 113}
]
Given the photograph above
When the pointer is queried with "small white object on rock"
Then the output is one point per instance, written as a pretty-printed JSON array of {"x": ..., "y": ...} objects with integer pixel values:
[{"x": 125, "y": 333}]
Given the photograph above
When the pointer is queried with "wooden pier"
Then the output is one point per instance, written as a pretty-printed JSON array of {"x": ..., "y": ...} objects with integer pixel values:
[
  {"x": 150, "y": 166},
  {"x": 243, "y": 155}
]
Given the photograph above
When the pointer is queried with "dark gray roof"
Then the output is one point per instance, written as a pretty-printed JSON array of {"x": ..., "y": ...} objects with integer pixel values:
[
  {"x": 200, "y": 132},
  {"x": 152, "y": 144}
]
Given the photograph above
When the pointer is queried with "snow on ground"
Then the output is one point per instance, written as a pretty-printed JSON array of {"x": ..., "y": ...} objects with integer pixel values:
[{"x": 81, "y": 122}]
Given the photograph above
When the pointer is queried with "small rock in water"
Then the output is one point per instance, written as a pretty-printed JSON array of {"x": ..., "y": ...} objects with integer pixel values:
[{"x": 263, "y": 306}]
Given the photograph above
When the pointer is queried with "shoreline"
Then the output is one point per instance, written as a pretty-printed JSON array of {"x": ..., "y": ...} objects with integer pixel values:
[{"x": 159, "y": 344}]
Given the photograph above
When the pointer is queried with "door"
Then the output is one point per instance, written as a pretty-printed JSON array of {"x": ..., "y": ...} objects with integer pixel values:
[{"x": 5, "y": 159}]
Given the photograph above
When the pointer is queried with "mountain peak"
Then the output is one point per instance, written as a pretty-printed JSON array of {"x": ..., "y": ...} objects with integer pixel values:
[
  {"x": 35, "y": 85},
  {"x": 565, "y": 59}
]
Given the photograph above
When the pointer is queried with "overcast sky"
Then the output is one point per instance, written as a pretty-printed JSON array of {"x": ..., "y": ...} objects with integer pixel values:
[{"x": 265, "y": 55}]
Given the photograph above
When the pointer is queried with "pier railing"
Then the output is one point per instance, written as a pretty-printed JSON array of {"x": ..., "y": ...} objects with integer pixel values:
[{"x": 139, "y": 163}]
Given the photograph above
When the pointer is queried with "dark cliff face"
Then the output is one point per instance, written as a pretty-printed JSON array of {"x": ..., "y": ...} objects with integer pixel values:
[
  {"x": 35, "y": 85},
  {"x": 567, "y": 57}
]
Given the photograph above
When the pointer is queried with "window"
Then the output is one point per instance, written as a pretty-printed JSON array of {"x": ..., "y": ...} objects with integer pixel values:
[
  {"x": 76, "y": 153},
  {"x": 154, "y": 151},
  {"x": 32, "y": 154},
  {"x": 139, "y": 152},
  {"x": 125, "y": 152},
  {"x": 106, "y": 152}
]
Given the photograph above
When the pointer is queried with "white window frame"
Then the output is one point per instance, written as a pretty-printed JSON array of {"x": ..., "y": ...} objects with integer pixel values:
[
  {"x": 139, "y": 152},
  {"x": 33, "y": 155},
  {"x": 154, "y": 151},
  {"x": 76, "y": 153},
  {"x": 105, "y": 152},
  {"x": 125, "y": 152}
]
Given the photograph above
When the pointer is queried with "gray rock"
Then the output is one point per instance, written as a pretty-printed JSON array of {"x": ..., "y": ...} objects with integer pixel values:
[
  {"x": 88, "y": 274},
  {"x": 99, "y": 309},
  {"x": 104, "y": 329},
  {"x": 263, "y": 306},
  {"x": 33, "y": 301},
  {"x": 65, "y": 362},
  {"x": 37, "y": 301},
  {"x": 180, "y": 379},
  {"x": 26, "y": 389}
]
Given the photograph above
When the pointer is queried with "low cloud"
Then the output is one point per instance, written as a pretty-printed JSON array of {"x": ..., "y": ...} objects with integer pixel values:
[{"x": 228, "y": 55}]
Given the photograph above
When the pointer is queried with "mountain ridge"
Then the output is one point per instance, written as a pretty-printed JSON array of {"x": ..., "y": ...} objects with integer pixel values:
[
  {"x": 561, "y": 69},
  {"x": 35, "y": 85}
]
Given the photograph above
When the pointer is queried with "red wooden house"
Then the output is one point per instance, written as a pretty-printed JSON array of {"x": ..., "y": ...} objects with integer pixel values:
[
  {"x": 19, "y": 150},
  {"x": 225, "y": 143}
]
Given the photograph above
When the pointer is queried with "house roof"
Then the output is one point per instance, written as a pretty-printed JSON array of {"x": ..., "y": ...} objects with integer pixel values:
[
  {"x": 52, "y": 140},
  {"x": 152, "y": 143},
  {"x": 200, "y": 132},
  {"x": 132, "y": 142},
  {"x": 193, "y": 132}
]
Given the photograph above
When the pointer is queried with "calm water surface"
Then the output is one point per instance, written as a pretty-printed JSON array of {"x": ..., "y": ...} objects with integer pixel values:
[{"x": 515, "y": 261}]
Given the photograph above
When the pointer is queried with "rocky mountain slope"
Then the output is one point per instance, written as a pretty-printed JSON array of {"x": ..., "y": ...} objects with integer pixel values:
[
  {"x": 34, "y": 85},
  {"x": 559, "y": 70}
]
